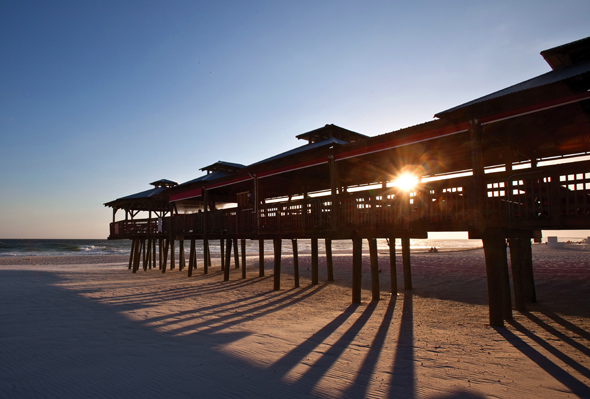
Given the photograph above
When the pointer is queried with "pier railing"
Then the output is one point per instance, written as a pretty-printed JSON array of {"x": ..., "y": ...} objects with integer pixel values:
[{"x": 529, "y": 198}]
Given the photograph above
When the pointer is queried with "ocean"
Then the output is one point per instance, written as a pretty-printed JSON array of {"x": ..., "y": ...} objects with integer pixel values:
[{"x": 60, "y": 247}]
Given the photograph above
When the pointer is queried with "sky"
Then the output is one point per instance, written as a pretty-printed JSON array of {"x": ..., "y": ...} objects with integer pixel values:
[{"x": 98, "y": 99}]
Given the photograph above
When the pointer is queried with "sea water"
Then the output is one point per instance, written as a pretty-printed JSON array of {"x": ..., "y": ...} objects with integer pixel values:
[{"x": 77, "y": 247}]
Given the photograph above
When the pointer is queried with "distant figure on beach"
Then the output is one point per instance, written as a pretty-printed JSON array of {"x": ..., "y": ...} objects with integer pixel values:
[{"x": 433, "y": 249}]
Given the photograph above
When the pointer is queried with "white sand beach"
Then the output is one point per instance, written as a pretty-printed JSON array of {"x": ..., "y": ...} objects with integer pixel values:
[{"x": 73, "y": 327}]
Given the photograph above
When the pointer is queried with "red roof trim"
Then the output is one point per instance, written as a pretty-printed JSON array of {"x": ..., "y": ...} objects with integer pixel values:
[{"x": 196, "y": 192}]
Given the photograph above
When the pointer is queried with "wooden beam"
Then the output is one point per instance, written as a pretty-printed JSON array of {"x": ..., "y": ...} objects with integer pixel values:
[
  {"x": 236, "y": 254},
  {"x": 357, "y": 269},
  {"x": 261, "y": 258},
  {"x": 243, "y": 245},
  {"x": 406, "y": 263},
  {"x": 392, "y": 266},
  {"x": 277, "y": 242},
  {"x": 374, "y": 269},
  {"x": 227, "y": 260},
  {"x": 329, "y": 262},
  {"x": 295, "y": 262},
  {"x": 314, "y": 261}
]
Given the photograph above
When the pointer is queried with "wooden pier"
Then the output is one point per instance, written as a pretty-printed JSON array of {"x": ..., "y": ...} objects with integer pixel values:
[{"x": 501, "y": 167}]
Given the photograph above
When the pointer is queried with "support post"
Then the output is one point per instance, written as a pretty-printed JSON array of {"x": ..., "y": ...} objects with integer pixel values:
[
  {"x": 227, "y": 261},
  {"x": 357, "y": 269},
  {"x": 495, "y": 253},
  {"x": 314, "y": 261},
  {"x": 295, "y": 262},
  {"x": 164, "y": 264},
  {"x": 528, "y": 274},
  {"x": 392, "y": 266},
  {"x": 277, "y": 242},
  {"x": 172, "y": 255},
  {"x": 243, "y": 245},
  {"x": 406, "y": 263},
  {"x": 181, "y": 256},
  {"x": 261, "y": 258},
  {"x": 222, "y": 251},
  {"x": 329, "y": 263},
  {"x": 374, "y": 269},
  {"x": 131, "y": 253},
  {"x": 146, "y": 253},
  {"x": 516, "y": 261},
  {"x": 192, "y": 258},
  {"x": 236, "y": 254},
  {"x": 206, "y": 256}
]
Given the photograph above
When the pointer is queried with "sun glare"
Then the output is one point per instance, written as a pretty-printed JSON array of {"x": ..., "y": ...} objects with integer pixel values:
[{"x": 406, "y": 181}]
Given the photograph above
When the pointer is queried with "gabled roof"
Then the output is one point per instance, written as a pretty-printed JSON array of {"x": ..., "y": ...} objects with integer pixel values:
[
  {"x": 551, "y": 77},
  {"x": 571, "y": 63},
  {"x": 568, "y": 54},
  {"x": 329, "y": 131},
  {"x": 324, "y": 143},
  {"x": 206, "y": 178},
  {"x": 164, "y": 183},
  {"x": 224, "y": 167}
]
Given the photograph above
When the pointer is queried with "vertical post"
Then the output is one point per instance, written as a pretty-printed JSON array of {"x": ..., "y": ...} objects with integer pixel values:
[
  {"x": 314, "y": 261},
  {"x": 506, "y": 297},
  {"x": 392, "y": 266},
  {"x": 145, "y": 253},
  {"x": 261, "y": 258},
  {"x": 227, "y": 260},
  {"x": 516, "y": 261},
  {"x": 374, "y": 269},
  {"x": 181, "y": 255},
  {"x": 495, "y": 249},
  {"x": 153, "y": 253},
  {"x": 172, "y": 255},
  {"x": 406, "y": 263},
  {"x": 206, "y": 256},
  {"x": 222, "y": 251},
  {"x": 236, "y": 254},
  {"x": 477, "y": 190},
  {"x": 357, "y": 269},
  {"x": 131, "y": 252},
  {"x": 277, "y": 242},
  {"x": 137, "y": 257},
  {"x": 243, "y": 245},
  {"x": 295, "y": 262},
  {"x": 329, "y": 263},
  {"x": 528, "y": 274},
  {"x": 166, "y": 245},
  {"x": 334, "y": 184},
  {"x": 192, "y": 258}
]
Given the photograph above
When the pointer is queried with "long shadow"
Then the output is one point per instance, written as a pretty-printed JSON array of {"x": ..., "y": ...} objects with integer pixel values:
[
  {"x": 246, "y": 303},
  {"x": 402, "y": 382},
  {"x": 297, "y": 354},
  {"x": 576, "y": 386},
  {"x": 226, "y": 321},
  {"x": 315, "y": 373},
  {"x": 567, "y": 324},
  {"x": 359, "y": 387},
  {"x": 89, "y": 349},
  {"x": 574, "y": 344}
]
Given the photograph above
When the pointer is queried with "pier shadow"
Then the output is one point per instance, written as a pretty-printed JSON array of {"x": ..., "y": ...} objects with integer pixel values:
[{"x": 576, "y": 386}]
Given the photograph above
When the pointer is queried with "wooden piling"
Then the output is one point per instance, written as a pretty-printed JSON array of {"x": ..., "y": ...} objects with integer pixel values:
[
  {"x": 374, "y": 269},
  {"x": 192, "y": 258},
  {"x": 314, "y": 261},
  {"x": 494, "y": 249},
  {"x": 236, "y": 254},
  {"x": 227, "y": 260},
  {"x": 392, "y": 266},
  {"x": 516, "y": 262},
  {"x": 528, "y": 274},
  {"x": 181, "y": 255},
  {"x": 406, "y": 263},
  {"x": 357, "y": 269},
  {"x": 164, "y": 264},
  {"x": 295, "y": 262},
  {"x": 172, "y": 255},
  {"x": 261, "y": 258},
  {"x": 329, "y": 263},
  {"x": 243, "y": 245},
  {"x": 131, "y": 252},
  {"x": 277, "y": 242},
  {"x": 153, "y": 253},
  {"x": 144, "y": 253},
  {"x": 222, "y": 251},
  {"x": 206, "y": 256}
]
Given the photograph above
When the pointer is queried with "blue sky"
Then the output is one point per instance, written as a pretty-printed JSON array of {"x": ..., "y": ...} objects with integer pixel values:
[{"x": 97, "y": 99}]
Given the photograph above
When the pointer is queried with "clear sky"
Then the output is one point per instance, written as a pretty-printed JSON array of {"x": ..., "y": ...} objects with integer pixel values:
[{"x": 97, "y": 99}]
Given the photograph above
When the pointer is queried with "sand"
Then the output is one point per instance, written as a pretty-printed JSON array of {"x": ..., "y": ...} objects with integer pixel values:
[{"x": 74, "y": 327}]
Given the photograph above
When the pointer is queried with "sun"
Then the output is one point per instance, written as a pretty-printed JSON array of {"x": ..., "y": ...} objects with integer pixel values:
[{"x": 406, "y": 181}]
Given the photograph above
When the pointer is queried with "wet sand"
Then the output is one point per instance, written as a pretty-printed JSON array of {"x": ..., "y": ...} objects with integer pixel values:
[{"x": 87, "y": 327}]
